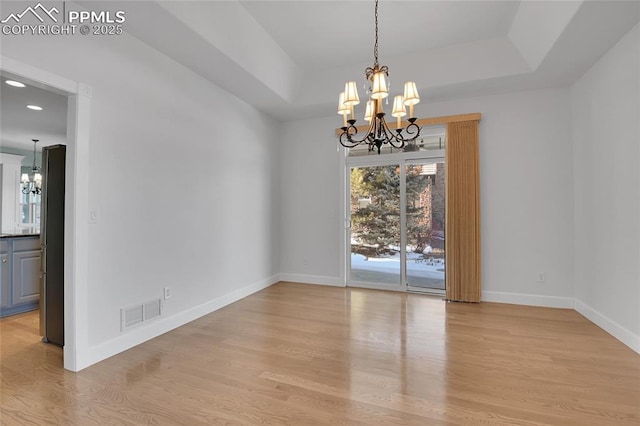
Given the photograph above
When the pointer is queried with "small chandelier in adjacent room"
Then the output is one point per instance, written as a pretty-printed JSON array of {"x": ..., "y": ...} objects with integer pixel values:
[
  {"x": 378, "y": 132},
  {"x": 32, "y": 183}
]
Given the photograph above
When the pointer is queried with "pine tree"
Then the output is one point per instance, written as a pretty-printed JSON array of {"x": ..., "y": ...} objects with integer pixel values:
[
  {"x": 418, "y": 208},
  {"x": 375, "y": 206}
]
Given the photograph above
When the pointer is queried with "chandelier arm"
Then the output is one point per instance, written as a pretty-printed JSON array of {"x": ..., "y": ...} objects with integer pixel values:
[
  {"x": 346, "y": 137},
  {"x": 378, "y": 133},
  {"x": 394, "y": 139},
  {"x": 412, "y": 129},
  {"x": 346, "y": 143}
]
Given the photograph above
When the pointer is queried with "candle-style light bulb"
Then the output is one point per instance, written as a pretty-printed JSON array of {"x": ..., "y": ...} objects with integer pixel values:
[
  {"x": 368, "y": 113},
  {"x": 399, "y": 109},
  {"x": 343, "y": 110}
]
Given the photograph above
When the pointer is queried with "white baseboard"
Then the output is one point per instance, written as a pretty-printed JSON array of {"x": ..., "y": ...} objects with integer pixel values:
[
  {"x": 528, "y": 299},
  {"x": 312, "y": 279},
  {"x": 610, "y": 326},
  {"x": 140, "y": 335}
]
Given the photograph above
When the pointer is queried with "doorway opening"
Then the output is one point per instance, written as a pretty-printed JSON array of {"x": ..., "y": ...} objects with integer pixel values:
[
  {"x": 77, "y": 97},
  {"x": 33, "y": 213}
]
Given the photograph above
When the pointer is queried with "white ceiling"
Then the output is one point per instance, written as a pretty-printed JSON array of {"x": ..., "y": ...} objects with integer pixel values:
[
  {"x": 291, "y": 58},
  {"x": 319, "y": 34},
  {"x": 19, "y": 125}
]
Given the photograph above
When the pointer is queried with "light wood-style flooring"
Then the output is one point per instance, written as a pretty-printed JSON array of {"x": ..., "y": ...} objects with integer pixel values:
[{"x": 298, "y": 354}]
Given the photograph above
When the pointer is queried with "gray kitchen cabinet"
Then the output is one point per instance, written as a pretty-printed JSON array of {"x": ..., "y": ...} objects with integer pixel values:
[
  {"x": 20, "y": 274},
  {"x": 5, "y": 281},
  {"x": 26, "y": 277}
]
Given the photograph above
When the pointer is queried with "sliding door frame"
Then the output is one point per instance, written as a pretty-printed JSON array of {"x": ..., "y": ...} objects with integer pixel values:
[{"x": 402, "y": 159}]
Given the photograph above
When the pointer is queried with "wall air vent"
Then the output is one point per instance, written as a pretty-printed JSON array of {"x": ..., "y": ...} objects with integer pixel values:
[
  {"x": 131, "y": 316},
  {"x": 152, "y": 309},
  {"x": 137, "y": 314}
]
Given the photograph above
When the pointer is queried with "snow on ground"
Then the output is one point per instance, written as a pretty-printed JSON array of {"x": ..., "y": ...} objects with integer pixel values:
[{"x": 391, "y": 264}]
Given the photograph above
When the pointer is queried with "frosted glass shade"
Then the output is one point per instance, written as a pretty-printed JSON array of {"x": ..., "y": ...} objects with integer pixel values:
[
  {"x": 24, "y": 178},
  {"x": 379, "y": 89},
  {"x": 351, "y": 94},
  {"x": 37, "y": 178},
  {"x": 342, "y": 108},
  {"x": 411, "y": 96},
  {"x": 399, "y": 109}
]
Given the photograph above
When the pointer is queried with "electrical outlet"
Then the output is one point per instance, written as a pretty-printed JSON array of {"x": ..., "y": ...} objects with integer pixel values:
[
  {"x": 542, "y": 277},
  {"x": 167, "y": 293}
]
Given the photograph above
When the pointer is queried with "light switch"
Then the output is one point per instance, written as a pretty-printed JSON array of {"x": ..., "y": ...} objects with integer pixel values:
[{"x": 93, "y": 216}]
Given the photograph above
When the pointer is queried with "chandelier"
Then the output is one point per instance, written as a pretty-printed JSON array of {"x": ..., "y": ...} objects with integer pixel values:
[
  {"x": 378, "y": 132},
  {"x": 32, "y": 183}
]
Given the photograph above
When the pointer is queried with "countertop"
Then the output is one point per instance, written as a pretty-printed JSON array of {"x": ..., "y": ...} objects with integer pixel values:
[{"x": 21, "y": 233}]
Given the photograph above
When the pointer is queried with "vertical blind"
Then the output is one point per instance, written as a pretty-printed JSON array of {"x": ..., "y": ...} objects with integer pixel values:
[{"x": 462, "y": 243}]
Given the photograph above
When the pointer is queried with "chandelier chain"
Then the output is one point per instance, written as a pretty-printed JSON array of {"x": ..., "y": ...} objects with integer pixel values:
[{"x": 375, "y": 46}]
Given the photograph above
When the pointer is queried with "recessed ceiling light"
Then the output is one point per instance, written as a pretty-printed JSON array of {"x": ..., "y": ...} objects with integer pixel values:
[
  {"x": 35, "y": 107},
  {"x": 15, "y": 83}
]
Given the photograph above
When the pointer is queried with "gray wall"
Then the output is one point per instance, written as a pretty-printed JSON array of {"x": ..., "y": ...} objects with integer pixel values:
[{"x": 606, "y": 134}]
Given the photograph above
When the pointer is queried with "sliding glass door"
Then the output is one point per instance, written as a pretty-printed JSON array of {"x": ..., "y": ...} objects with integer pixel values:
[
  {"x": 374, "y": 204},
  {"x": 425, "y": 215},
  {"x": 396, "y": 225}
]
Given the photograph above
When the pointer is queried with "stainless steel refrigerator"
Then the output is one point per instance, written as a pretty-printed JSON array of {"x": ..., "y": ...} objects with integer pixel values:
[{"x": 52, "y": 239}]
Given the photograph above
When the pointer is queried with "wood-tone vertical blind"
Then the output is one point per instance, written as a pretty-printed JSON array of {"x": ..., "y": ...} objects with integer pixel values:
[{"x": 462, "y": 243}]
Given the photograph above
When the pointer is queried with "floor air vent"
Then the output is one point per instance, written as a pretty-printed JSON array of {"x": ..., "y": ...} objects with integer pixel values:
[{"x": 134, "y": 315}]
